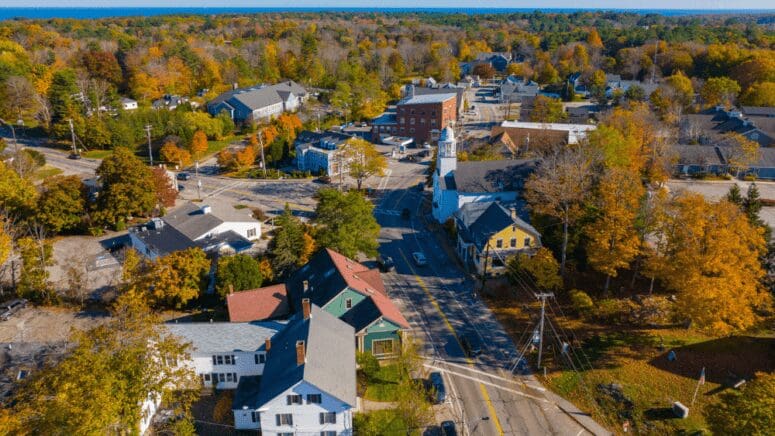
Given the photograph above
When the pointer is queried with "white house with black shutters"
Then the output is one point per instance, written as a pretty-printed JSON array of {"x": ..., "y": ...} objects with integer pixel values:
[{"x": 308, "y": 384}]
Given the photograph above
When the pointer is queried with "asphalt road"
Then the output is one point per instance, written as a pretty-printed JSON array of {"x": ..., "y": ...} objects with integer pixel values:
[{"x": 439, "y": 302}]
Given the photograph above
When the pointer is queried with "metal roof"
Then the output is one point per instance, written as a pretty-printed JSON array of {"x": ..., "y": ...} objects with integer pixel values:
[
  {"x": 223, "y": 337},
  {"x": 427, "y": 99}
]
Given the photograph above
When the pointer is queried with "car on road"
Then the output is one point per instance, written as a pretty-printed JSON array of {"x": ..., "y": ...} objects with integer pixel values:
[
  {"x": 385, "y": 263},
  {"x": 448, "y": 427},
  {"x": 471, "y": 345},
  {"x": 405, "y": 214},
  {"x": 181, "y": 188},
  {"x": 436, "y": 388},
  {"x": 419, "y": 258},
  {"x": 9, "y": 308},
  {"x": 184, "y": 176},
  {"x": 74, "y": 156}
]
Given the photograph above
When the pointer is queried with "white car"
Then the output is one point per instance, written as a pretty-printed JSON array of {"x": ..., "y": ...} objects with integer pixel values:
[{"x": 419, "y": 259}]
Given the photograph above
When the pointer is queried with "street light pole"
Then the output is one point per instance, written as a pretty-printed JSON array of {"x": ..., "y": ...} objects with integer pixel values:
[{"x": 150, "y": 152}]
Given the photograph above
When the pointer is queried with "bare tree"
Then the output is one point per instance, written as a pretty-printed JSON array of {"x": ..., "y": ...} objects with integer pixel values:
[
  {"x": 560, "y": 186},
  {"x": 18, "y": 93}
]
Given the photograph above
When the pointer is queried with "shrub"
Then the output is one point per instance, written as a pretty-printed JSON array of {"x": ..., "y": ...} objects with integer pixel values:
[
  {"x": 653, "y": 310},
  {"x": 614, "y": 311},
  {"x": 582, "y": 303},
  {"x": 222, "y": 412},
  {"x": 750, "y": 177},
  {"x": 259, "y": 214},
  {"x": 369, "y": 365},
  {"x": 120, "y": 225}
]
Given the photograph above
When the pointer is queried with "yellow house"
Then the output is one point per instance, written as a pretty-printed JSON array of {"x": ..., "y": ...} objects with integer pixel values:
[{"x": 489, "y": 232}]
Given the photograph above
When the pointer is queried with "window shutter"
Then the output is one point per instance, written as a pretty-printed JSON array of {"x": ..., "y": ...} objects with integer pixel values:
[
  {"x": 322, "y": 418},
  {"x": 214, "y": 360},
  {"x": 288, "y": 399},
  {"x": 277, "y": 418}
]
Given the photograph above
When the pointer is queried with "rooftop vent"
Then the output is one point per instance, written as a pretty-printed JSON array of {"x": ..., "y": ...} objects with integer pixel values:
[{"x": 206, "y": 210}]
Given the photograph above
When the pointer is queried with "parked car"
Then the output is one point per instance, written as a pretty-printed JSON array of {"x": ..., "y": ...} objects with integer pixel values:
[
  {"x": 385, "y": 263},
  {"x": 9, "y": 308},
  {"x": 448, "y": 427},
  {"x": 181, "y": 188},
  {"x": 405, "y": 214},
  {"x": 471, "y": 345},
  {"x": 74, "y": 156},
  {"x": 419, "y": 259},
  {"x": 184, "y": 176},
  {"x": 437, "y": 388}
]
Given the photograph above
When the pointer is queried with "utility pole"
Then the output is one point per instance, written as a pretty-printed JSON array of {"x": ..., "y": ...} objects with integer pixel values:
[
  {"x": 543, "y": 298},
  {"x": 150, "y": 152},
  {"x": 486, "y": 261},
  {"x": 261, "y": 144},
  {"x": 72, "y": 135}
]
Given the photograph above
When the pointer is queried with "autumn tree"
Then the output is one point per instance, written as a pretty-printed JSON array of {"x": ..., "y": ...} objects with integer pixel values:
[
  {"x": 612, "y": 240},
  {"x": 198, "y": 145},
  {"x": 226, "y": 160},
  {"x": 36, "y": 253},
  {"x": 719, "y": 91},
  {"x": 711, "y": 260},
  {"x": 17, "y": 195},
  {"x": 673, "y": 97},
  {"x": 362, "y": 159},
  {"x": 102, "y": 382},
  {"x": 743, "y": 152},
  {"x": 541, "y": 267},
  {"x": 237, "y": 273},
  {"x": 559, "y": 188},
  {"x": 345, "y": 223},
  {"x": 62, "y": 204},
  {"x": 164, "y": 187},
  {"x": 749, "y": 410},
  {"x": 245, "y": 158},
  {"x": 170, "y": 152},
  {"x": 594, "y": 40},
  {"x": 547, "y": 110},
  {"x": 760, "y": 94},
  {"x": 290, "y": 244},
  {"x": 484, "y": 70},
  {"x": 127, "y": 188},
  {"x": 178, "y": 277},
  {"x": 597, "y": 86}
]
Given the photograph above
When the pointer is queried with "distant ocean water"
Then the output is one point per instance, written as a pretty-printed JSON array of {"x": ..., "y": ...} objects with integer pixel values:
[{"x": 91, "y": 12}]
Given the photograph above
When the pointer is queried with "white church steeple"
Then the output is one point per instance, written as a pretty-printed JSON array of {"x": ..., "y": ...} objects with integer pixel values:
[{"x": 447, "y": 154}]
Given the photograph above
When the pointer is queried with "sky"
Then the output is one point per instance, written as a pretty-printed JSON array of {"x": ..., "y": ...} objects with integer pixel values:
[{"x": 542, "y": 4}]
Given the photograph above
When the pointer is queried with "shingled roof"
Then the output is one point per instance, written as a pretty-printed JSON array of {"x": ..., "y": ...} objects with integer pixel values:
[
  {"x": 268, "y": 302},
  {"x": 477, "y": 222},
  {"x": 493, "y": 176},
  {"x": 328, "y": 273},
  {"x": 329, "y": 365}
]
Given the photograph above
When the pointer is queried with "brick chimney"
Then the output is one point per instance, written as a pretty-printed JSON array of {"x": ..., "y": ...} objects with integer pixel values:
[
  {"x": 305, "y": 308},
  {"x": 231, "y": 289},
  {"x": 305, "y": 285},
  {"x": 300, "y": 353},
  {"x": 513, "y": 213},
  {"x": 268, "y": 344}
]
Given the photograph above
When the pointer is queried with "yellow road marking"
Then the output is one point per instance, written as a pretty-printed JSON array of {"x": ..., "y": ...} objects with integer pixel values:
[{"x": 435, "y": 303}]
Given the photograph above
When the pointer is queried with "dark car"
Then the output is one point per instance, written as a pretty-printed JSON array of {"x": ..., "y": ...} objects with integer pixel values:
[
  {"x": 448, "y": 427},
  {"x": 8, "y": 308},
  {"x": 437, "y": 388},
  {"x": 181, "y": 188},
  {"x": 405, "y": 214},
  {"x": 471, "y": 345},
  {"x": 385, "y": 263},
  {"x": 74, "y": 156},
  {"x": 184, "y": 176}
]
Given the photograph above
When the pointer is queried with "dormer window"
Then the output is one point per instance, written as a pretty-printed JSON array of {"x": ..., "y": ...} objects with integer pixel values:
[{"x": 348, "y": 303}]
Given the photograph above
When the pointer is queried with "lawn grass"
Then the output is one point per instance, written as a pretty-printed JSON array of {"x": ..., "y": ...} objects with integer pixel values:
[
  {"x": 384, "y": 385},
  {"x": 387, "y": 421},
  {"x": 636, "y": 359},
  {"x": 216, "y": 146},
  {"x": 46, "y": 171},
  {"x": 97, "y": 154}
]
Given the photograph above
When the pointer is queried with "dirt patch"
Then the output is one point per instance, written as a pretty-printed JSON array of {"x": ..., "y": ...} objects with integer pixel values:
[
  {"x": 46, "y": 325},
  {"x": 86, "y": 266}
]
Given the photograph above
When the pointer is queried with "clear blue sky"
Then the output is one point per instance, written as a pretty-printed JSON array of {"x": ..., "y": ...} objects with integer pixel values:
[{"x": 611, "y": 4}]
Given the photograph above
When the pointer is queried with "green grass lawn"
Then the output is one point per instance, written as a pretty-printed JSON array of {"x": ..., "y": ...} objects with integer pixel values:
[
  {"x": 97, "y": 154},
  {"x": 636, "y": 359},
  {"x": 216, "y": 146},
  {"x": 381, "y": 422},
  {"x": 46, "y": 171},
  {"x": 384, "y": 385}
]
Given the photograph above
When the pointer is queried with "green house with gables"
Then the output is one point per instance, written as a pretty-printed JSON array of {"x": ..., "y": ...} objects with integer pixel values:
[{"x": 355, "y": 294}]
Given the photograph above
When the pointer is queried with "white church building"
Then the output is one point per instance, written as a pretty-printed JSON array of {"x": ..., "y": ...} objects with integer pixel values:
[{"x": 457, "y": 183}]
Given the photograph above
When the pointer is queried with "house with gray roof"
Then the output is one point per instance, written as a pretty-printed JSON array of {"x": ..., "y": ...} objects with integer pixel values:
[
  {"x": 489, "y": 232},
  {"x": 513, "y": 88},
  {"x": 319, "y": 152},
  {"x": 457, "y": 183},
  {"x": 260, "y": 102},
  {"x": 308, "y": 385},
  {"x": 220, "y": 229},
  {"x": 697, "y": 160},
  {"x": 224, "y": 352}
]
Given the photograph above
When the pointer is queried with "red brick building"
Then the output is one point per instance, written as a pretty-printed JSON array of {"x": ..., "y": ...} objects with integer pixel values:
[{"x": 421, "y": 117}]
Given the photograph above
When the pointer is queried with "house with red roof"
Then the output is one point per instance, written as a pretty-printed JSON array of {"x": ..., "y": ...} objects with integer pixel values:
[
  {"x": 267, "y": 303},
  {"x": 355, "y": 294}
]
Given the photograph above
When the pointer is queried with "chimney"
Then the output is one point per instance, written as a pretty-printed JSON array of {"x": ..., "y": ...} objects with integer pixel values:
[
  {"x": 234, "y": 85},
  {"x": 513, "y": 213},
  {"x": 268, "y": 345},
  {"x": 300, "y": 353},
  {"x": 305, "y": 308},
  {"x": 305, "y": 285}
]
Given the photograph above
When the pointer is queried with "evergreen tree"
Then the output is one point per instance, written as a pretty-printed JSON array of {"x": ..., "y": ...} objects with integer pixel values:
[
  {"x": 346, "y": 223},
  {"x": 286, "y": 247},
  {"x": 734, "y": 195}
]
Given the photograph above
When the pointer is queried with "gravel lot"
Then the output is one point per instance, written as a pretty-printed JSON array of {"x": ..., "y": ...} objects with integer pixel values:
[{"x": 46, "y": 324}]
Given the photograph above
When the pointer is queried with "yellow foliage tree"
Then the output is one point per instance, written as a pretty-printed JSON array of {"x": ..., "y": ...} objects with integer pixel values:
[
  {"x": 198, "y": 145},
  {"x": 612, "y": 240},
  {"x": 710, "y": 258},
  {"x": 594, "y": 40},
  {"x": 170, "y": 152},
  {"x": 246, "y": 157}
]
